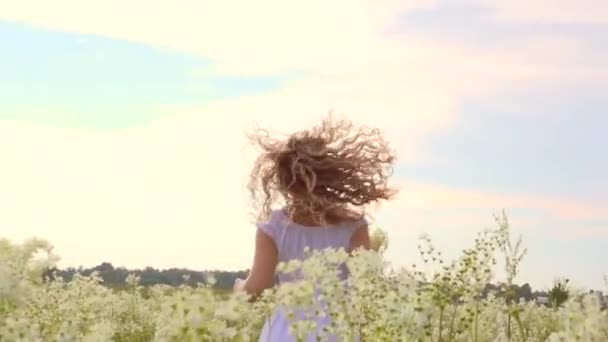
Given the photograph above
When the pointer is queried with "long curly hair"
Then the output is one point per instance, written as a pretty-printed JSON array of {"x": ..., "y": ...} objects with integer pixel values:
[{"x": 324, "y": 176}]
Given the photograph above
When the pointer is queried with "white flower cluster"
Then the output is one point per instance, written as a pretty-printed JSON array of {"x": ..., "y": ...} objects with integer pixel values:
[{"x": 441, "y": 301}]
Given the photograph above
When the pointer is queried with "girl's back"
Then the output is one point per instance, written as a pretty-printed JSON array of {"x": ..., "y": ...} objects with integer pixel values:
[{"x": 291, "y": 238}]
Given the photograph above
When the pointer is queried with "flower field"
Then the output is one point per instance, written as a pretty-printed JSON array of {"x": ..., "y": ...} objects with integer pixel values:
[{"x": 437, "y": 300}]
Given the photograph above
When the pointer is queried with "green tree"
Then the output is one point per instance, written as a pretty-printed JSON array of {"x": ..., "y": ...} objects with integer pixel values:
[{"x": 559, "y": 293}]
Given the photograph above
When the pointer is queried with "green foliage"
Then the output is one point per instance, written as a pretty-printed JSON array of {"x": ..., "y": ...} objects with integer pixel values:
[
  {"x": 559, "y": 293},
  {"x": 115, "y": 276}
]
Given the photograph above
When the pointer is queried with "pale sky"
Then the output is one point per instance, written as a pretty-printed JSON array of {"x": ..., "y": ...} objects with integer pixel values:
[{"x": 122, "y": 123}]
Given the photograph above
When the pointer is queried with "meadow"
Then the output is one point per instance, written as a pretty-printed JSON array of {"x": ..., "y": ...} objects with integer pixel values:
[{"x": 437, "y": 300}]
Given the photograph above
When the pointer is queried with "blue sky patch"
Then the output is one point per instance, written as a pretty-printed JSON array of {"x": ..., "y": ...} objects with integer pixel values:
[{"x": 86, "y": 81}]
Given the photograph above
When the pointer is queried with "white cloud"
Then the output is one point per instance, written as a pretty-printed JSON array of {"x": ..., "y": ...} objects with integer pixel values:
[
  {"x": 558, "y": 11},
  {"x": 343, "y": 44},
  {"x": 171, "y": 194},
  {"x": 417, "y": 196},
  {"x": 242, "y": 36},
  {"x": 163, "y": 196}
]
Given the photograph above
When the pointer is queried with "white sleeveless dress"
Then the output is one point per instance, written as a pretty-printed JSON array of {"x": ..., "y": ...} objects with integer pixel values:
[{"x": 291, "y": 239}]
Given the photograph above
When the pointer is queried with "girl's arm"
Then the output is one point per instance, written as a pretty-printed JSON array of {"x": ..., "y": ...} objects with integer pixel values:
[{"x": 264, "y": 266}]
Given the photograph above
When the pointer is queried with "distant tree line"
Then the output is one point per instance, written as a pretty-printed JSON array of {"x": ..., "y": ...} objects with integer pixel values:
[{"x": 116, "y": 276}]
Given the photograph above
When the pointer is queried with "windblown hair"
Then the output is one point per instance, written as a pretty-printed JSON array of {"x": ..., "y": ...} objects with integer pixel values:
[{"x": 327, "y": 175}]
